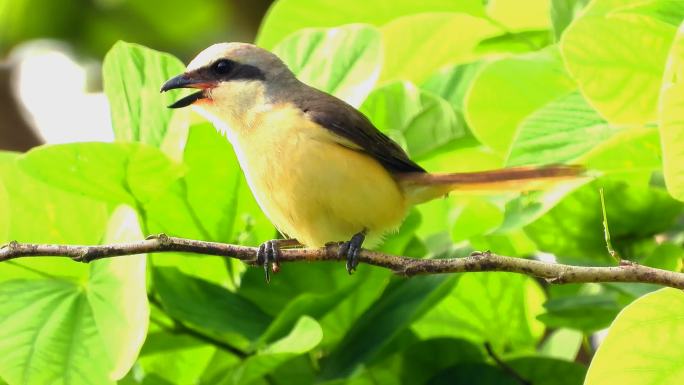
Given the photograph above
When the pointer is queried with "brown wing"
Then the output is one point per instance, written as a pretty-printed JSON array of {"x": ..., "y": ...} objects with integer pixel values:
[{"x": 350, "y": 124}]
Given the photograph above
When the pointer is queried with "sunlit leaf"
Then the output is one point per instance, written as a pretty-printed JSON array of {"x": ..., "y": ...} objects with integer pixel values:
[
  {"x": 132, "y": 76},
  {"x": 642, "y": 345},
  {"x": 500, "y": 87},
  {"x": 414, "y": 45},
  {"x": 605, "y": 56},
  {"x": 563, "y": 344},
  {"x": 287, "y": 16},
  {"x": 342, "y": 61},
  {"x": 38, "y": 212},
  {"x": 671, "y": 122},
  {"x": 534, "y": 15},
  {"x": 561, "y": 131},
  {"x": 128, "y": 173}
]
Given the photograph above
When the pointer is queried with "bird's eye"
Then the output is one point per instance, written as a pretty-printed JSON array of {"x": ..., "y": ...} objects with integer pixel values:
[{"x": 222, "y": 67}]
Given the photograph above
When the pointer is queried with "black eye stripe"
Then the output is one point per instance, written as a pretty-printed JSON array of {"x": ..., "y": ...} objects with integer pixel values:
[{"x": 223, "y": 67}]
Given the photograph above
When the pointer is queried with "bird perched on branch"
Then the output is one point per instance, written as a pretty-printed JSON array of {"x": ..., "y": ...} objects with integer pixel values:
[{"x": 318, "y": 168}]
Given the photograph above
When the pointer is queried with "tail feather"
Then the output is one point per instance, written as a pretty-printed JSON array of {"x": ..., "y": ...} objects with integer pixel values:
[{"x": 421, "y": 187}]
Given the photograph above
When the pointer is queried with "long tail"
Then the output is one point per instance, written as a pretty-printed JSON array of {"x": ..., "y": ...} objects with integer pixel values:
[{"x": 422, "y": 187}]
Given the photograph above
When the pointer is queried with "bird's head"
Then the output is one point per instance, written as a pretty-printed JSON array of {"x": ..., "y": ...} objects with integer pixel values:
[{"x": 230, "y": 78}]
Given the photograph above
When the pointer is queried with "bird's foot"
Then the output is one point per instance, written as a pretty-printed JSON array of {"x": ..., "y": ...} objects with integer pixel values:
[
  {"x": 269, "y": 254},
  {"x": 351, "y": 249}
]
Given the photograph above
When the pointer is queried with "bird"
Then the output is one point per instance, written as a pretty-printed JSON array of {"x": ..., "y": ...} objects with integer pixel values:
[{"x": 318, "y": 167}]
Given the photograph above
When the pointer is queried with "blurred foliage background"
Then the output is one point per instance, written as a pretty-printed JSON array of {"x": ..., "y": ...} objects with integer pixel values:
[{"x": 462, "y": 85}]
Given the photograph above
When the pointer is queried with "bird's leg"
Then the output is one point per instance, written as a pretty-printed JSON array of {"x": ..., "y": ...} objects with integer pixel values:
[
  {"x": 269, "y": 253},
  {"x": 351, "y": 249}
]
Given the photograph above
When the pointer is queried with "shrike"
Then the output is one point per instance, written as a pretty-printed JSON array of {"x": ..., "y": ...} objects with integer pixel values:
[{"x": 318, "y": 168}]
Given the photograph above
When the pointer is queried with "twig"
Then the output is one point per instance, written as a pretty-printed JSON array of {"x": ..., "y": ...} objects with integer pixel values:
[
  {"x": 405, "y": 266},
  {"x": 504, "y": 366}
]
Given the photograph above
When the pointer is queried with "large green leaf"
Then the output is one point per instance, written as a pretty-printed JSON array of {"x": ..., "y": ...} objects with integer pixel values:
[
  {"x": 65, "y": 332},
  {"x": 671, "y": 110},
  {"x": 606, "y": 56},
  {"x": 668, "y": 11},
  {"x": 342, "y": 61},
  {"x": 643, "y": 344},
  {"x": 402, "y": 302},
  {"x": 513, "y": 87},
  {"x": 287, "y": 16},
  {"x": 534, "y": 15},
  {"x": 132, "y": 75},
  {"x": 128, "y": 173},
  {"x": 419, "y": 120},
  {"x": 561, "y": 131},
  {"x": 209, "y": 306},
  {"x": 452, "y": 83},
  {"x": 38, "y": 212},
  {"x": 414, "y": 45},
  {"x": 489, "y": 307}
]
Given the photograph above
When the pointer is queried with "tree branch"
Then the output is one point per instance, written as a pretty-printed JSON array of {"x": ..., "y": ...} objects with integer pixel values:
[{"x": 405, "y": 266}]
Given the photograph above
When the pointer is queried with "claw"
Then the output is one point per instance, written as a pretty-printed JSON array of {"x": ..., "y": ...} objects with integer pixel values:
[
  {"x": 269, "y": 255},
  {"x": 351, "y": 249}
]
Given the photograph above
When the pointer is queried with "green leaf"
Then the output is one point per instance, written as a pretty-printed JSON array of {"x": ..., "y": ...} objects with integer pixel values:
[
  {"x": 115, "y": 172},
  {"x": 563, "y": 12},
  {"x": 209, "y": 306},
  {"x": 667, "y": 256},
  {"x": 419, "y": 120},
  {"x": 305, "y": 335},
  {"x": 342, "y": 61},
  {"x": 668, "y": 11},
  {"x": 559, "y": 132},
  {"x": 562, "y": 344},
  {"x": 534, "y": 15},
  {"x": 474, "y": 216},
  {"x": 643, "y": 344},
  {"x": 414, "y": 45},
  {"x": 605, "y": 55},
  {"x": 402, "y": 302},
  {"x": 452, "y": 82},
  {"x": 176, "y": 358},
  {"x": 499, "y": 86},
  {"x": 587, "y": 313},
  {"x": 670, "y": 116},
  {"x": 287, "y": 16},
  {"x": 629, "y": 152},
  {"x": 488, "y": 307},
  {"x": 132, "y": 75},
  {"x": 62, "y": 332},
  {"x": 40, "y": 213}
]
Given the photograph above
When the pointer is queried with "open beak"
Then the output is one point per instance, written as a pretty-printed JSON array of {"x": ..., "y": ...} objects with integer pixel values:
[{"x": 187, "y": 81}]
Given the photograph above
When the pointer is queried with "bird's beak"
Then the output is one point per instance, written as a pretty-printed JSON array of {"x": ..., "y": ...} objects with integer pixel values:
[{"x": 188, "y": 80}]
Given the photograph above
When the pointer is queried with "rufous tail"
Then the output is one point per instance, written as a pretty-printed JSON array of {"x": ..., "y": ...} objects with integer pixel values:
[{"x": 422, "y": 187}]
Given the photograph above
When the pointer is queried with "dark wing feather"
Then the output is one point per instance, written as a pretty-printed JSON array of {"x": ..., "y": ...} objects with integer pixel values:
[{"x": 347, "y": 122}]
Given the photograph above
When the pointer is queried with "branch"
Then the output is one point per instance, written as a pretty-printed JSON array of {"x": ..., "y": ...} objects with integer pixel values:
[{"x": 405, "y": 266}]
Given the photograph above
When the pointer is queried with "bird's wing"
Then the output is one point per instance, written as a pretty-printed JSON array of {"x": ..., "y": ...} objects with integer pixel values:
[{"x": 356, "y": 131}]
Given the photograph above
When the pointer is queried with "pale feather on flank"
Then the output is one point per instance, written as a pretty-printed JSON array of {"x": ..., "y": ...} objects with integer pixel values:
[{"x": 422, "y": 187}]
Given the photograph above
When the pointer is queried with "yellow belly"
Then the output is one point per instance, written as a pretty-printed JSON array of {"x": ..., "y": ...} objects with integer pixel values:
[{"x": 313, "y": 188}]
